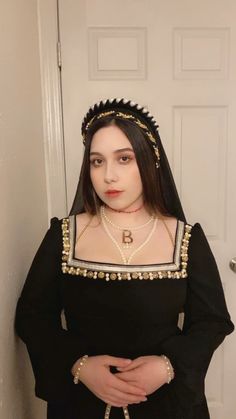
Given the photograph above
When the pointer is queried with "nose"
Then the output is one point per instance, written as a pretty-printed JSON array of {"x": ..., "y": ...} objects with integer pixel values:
[{"x": 110, "y": 174}]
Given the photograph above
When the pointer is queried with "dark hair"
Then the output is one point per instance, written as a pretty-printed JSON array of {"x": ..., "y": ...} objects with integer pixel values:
[{"x": 146, "y": 161}]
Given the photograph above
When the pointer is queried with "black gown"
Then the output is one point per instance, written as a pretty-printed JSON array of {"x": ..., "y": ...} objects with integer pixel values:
[{"x": 124, "y": 311}]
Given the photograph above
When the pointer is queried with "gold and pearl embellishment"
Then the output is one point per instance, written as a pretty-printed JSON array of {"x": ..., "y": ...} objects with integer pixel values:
[
  {"x": 108, "y": 410},
  {"x": 106, "y": 271}
]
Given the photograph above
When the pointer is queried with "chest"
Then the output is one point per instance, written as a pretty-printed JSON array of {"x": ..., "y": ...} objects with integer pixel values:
[{"x": 100, "y": 247}]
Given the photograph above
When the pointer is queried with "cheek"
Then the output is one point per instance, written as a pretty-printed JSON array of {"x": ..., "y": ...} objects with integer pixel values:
[
  {"x": 137, "y": 180},
  {"x": 133, "y": 182},
  {"x": 92, "y": 177},
  {"x": 95, "y": 178}
]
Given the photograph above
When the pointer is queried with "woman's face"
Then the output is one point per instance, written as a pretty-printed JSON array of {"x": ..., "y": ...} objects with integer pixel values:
[{"x": 113, "y": 169}]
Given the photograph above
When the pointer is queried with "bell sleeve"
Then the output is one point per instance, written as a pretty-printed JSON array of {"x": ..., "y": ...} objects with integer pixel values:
[
  {"x": 52, "y": 349},
  {"x": 206, "y": 323}
]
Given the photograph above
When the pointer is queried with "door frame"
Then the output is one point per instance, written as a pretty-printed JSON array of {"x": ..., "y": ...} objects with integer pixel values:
[{"x": 53, "y": 138}]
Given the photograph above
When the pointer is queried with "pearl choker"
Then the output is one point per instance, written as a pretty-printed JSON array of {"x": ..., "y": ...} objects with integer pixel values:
[{"x": 125, "y": 228}]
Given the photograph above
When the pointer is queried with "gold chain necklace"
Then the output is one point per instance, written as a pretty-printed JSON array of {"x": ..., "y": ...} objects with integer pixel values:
[{"x": 126, "y": 260}]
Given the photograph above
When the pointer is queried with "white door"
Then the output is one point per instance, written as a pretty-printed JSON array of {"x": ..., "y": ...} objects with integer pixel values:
[{"x": 177, "y": 58}]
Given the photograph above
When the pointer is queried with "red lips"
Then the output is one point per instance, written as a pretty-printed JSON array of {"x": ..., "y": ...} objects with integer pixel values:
[{"x": 112, "y": 192}]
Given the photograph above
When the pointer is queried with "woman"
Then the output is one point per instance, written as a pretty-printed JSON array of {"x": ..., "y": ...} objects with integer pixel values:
[{"x": 122, "y": 267}]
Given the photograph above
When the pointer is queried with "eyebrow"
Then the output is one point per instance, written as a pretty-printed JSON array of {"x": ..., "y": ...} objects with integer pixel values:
[{"x": 116, "y": 151}]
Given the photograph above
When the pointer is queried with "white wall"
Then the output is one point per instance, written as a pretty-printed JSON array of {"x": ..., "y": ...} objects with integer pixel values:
[{"x": 23, "y": 204}]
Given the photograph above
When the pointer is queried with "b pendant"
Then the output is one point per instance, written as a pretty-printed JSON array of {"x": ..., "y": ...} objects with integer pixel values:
[{"x": 127, "y": 238}]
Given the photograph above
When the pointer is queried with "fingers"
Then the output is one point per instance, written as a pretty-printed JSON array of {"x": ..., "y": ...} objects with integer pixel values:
[
  {"x": 122, "y": 399},
  {"x": 116, "y": 362},
  {"x": 127, "y": 376},
  {"x": 115, "y": 403},
  {"x": 126, "y": 387},
  {"x": 108, "y": 387},
  {"x": 129, "y": 366}
]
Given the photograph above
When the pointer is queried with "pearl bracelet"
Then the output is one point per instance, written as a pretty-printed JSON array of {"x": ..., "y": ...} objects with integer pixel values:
[
  {"x": 77, "y": 373},
  {"x": 169, "y": 368}
]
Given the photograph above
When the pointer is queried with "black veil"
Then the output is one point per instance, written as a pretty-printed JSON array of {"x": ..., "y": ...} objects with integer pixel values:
[{"x": 168, "y": 187}]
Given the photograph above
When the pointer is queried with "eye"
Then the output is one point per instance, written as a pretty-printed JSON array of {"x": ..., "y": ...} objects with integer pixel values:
[
  {"x": 125, "y": 159},
  {"x": 96, "y": 162}
]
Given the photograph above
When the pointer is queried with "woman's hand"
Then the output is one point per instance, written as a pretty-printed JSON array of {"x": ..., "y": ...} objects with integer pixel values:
[
  {"x": 96, "y": 375},
  {"x": 147, "y": 372}
]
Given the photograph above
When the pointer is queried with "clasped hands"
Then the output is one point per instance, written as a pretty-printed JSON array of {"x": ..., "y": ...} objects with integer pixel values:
[
  {"x": 146, "y": 372},
  {"x": 134, "y": 380}
]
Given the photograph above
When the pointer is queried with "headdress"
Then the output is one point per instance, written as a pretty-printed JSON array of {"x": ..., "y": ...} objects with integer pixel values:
[
  {"x": 127, "y": 110},
  {"x": 140, "y": 116}
]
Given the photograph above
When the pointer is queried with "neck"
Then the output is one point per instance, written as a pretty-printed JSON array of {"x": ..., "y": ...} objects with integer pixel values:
[
  {"x": 127, "y": 211},
  {"x": 128, "y": 216}
]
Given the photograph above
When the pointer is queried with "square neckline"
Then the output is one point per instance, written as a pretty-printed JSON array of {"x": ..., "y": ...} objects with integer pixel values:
[{"x": 113, "y": 267}]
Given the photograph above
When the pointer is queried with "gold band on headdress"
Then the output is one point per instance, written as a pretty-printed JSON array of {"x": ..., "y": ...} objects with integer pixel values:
[{"x": 125, "y": 116}]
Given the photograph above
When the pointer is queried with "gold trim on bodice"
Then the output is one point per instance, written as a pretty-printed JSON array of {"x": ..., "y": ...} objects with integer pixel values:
[{"x": 112, "y": 271}]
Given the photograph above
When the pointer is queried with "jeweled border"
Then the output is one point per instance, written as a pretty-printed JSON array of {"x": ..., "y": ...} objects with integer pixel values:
[{"x": 110, "y": 272}]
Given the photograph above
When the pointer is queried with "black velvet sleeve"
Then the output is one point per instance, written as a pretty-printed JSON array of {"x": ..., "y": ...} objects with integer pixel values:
[
  {"x": 206, "y": 323},
  {"x": 52, "y": 349}
]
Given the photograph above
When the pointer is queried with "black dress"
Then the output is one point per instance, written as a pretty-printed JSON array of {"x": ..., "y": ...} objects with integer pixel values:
[{"x": 124, "y": 311}]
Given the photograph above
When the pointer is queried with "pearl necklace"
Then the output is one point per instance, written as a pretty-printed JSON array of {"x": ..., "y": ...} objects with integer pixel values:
[
  {"x": 125, "y": 260},
  {"x": 125, "y": 228}
]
